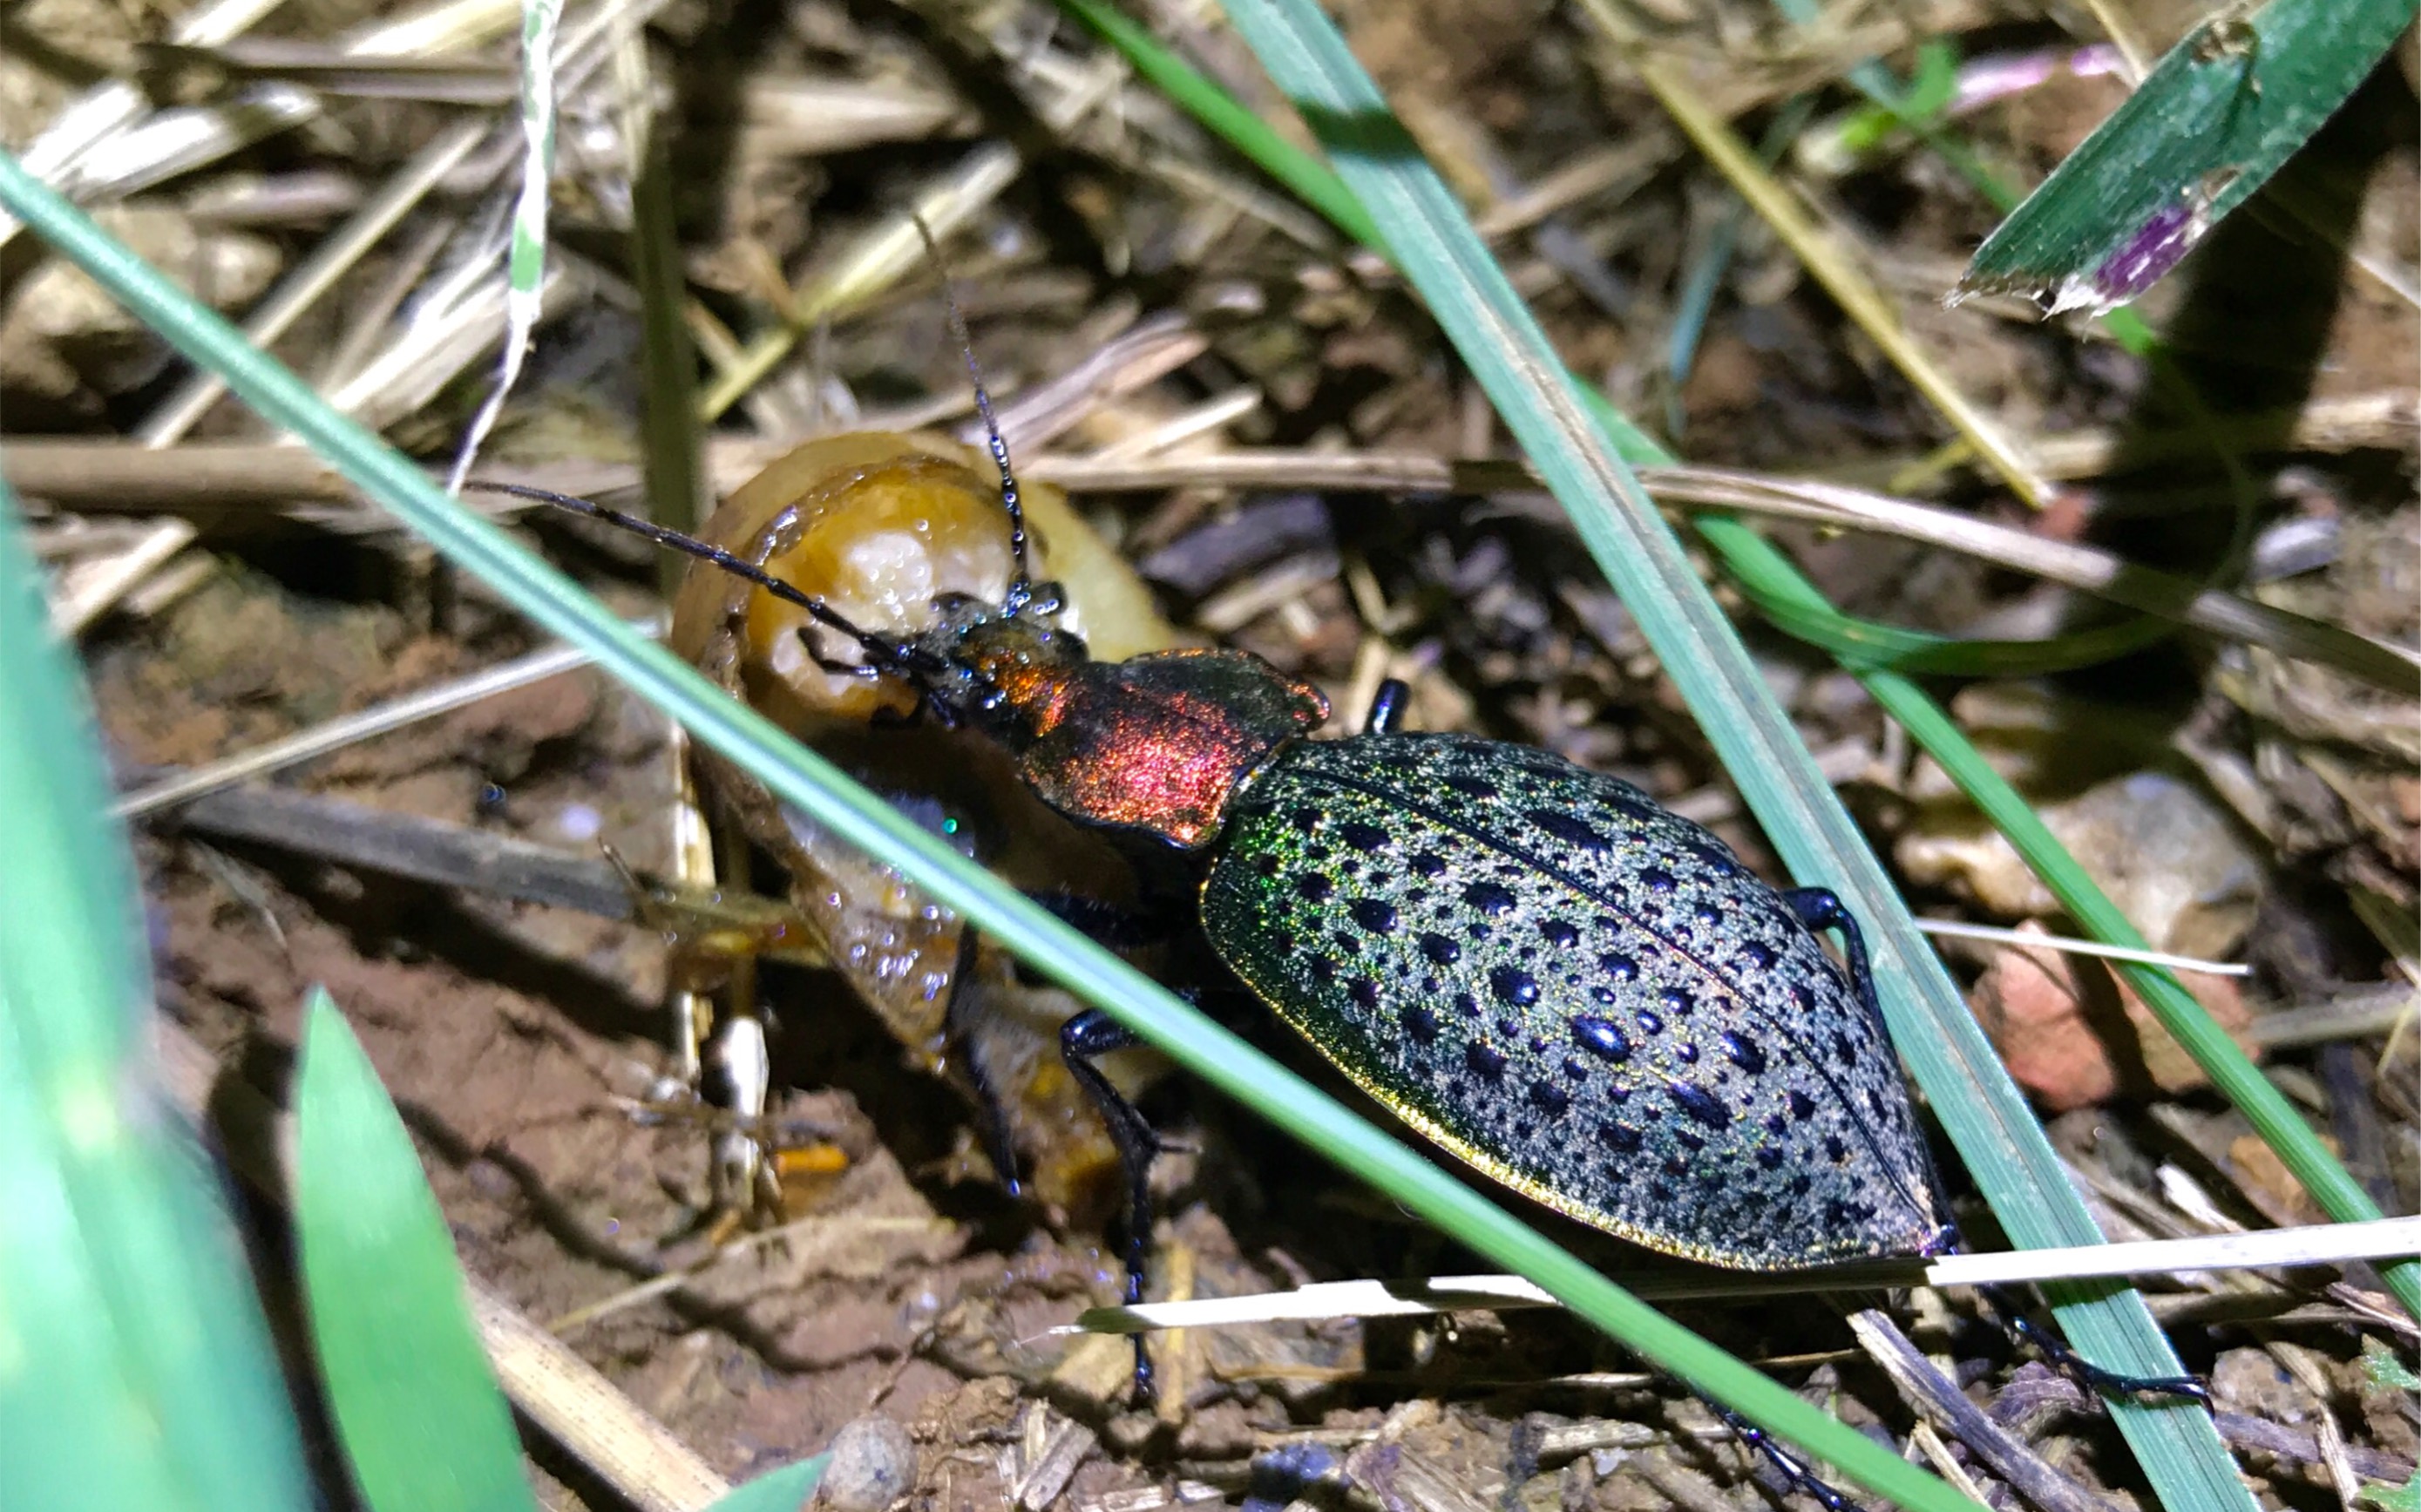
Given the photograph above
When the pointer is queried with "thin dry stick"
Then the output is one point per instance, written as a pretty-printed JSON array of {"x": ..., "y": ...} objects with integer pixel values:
[
  {"x": 319, "y": 273},
  {"x": 1932, "y": 1395},
  {"x": 439, "y": 855},
  {"x": 2315, "y": 1244},
  {"x": 2095, "y": 571},
  {"x": 93, "y": 587},
  {"x": 2332, "y": 423},
  {"x": 336, "y": 734},
  {"x": 78, "y": 472}
]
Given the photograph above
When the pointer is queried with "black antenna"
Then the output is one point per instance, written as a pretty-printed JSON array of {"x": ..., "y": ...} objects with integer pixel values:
[
  {"x": 1015, "y": 598},
  {"x": 892, "y": 653}
]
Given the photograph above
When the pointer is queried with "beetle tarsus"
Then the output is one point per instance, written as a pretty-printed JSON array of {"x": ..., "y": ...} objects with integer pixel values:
[
  {"x": 1082, "y": 1039},
  {"x": 1387, "y": 707},
  {"x": 2062, "y": 1356},
  {"x": 1292, "y": 1472},
  {"x": 1821, "y": 908},
  {"x": 1795, "y": 1471},
  {"x": 959, "y": 1045}
]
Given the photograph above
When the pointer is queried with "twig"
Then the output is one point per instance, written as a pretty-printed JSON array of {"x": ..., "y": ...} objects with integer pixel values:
[
  {"x": 71, "y": 472},
  {"x": 336, "y": 734},
  {"x": 2315, "y": 1244},
  {"x": 1939, "y": 1402}
]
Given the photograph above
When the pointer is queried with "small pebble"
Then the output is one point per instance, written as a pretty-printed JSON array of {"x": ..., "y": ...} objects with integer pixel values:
[{"x": 873, "y": 1465}]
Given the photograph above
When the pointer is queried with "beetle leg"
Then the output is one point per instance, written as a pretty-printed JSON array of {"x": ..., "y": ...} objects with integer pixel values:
[
  {"x": 959, "y": 1045},
  {"x": 2062, "y": 1356},
  {"x": 1818, "y": 908},
  {"x": 1081, "y": 1039},
  {"x": 1292, "y": 1473},
  {"x": 1794, "y": 1470},
  {"x": 865, "y": 670},
  {"x": 1108, "y": 924},
  {"x": 1387, "y": 707}
]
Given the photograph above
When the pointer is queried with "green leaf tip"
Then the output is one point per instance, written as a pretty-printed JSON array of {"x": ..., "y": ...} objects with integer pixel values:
[
  {"x": 2209, "y": 126},
  {"x": 423, "y": 1424},
  {"x": 2404, "y": 1498},
  {"x": 785, "y": 1490},
  {"x": 2385, "y": 1367}
]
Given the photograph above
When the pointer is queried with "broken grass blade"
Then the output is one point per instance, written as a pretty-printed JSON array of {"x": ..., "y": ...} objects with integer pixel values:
[
  {"x": 526, "y": 263},
  {"x": 2209, "y": 125}
]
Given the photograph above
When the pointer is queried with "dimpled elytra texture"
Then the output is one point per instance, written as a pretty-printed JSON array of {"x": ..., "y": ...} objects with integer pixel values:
[{"x": 1579, "y": 992}]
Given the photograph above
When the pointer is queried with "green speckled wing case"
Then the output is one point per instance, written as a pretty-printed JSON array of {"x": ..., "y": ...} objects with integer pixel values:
[{"x": 1580, "y": 993}]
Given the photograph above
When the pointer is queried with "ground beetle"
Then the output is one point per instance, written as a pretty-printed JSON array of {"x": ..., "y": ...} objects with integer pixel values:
[{"x": 1537, "y": 966}]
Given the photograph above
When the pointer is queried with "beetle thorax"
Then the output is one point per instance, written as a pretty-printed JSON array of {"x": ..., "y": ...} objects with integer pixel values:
[{"x": 1157, "y": 743}]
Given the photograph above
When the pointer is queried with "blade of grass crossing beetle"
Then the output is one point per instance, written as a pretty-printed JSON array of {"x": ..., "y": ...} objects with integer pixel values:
[
  {"x": 1987, "y": 1118},
  {"x": 803, "y": 779},
  {"x": 2207, "y": 126},
  {"x": 1779, "y": 589},
  {"x": 135, "y": 1364},
  {"x": 424, "y": 1425},
  {"x": 2310, "y": 1160}
]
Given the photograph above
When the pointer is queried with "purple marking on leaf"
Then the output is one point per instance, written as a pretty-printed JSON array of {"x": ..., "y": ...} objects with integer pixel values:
[{"x": 2148, "y": 255}]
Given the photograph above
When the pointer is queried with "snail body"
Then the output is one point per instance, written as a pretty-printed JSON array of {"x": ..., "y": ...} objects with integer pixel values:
[{"x": 883, "y": 526}]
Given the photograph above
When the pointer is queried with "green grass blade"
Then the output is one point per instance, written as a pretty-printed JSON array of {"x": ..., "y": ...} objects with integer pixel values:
[
  {"x": 2207, "y": 126},
  {"x": 1985, "y": 1115},
  {"x": 806, "y": 780},
  {"x": 424, "y": 1424},
  {"x": 134, "y": 1365},
  {"x": 776, "y": 1490},
  {"x": 1862, "y": 642},
  {"x": 1819, "y": 623},
  {"x": 1313, "y": 181},
  {"x": 2271, "y": 1115}
]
